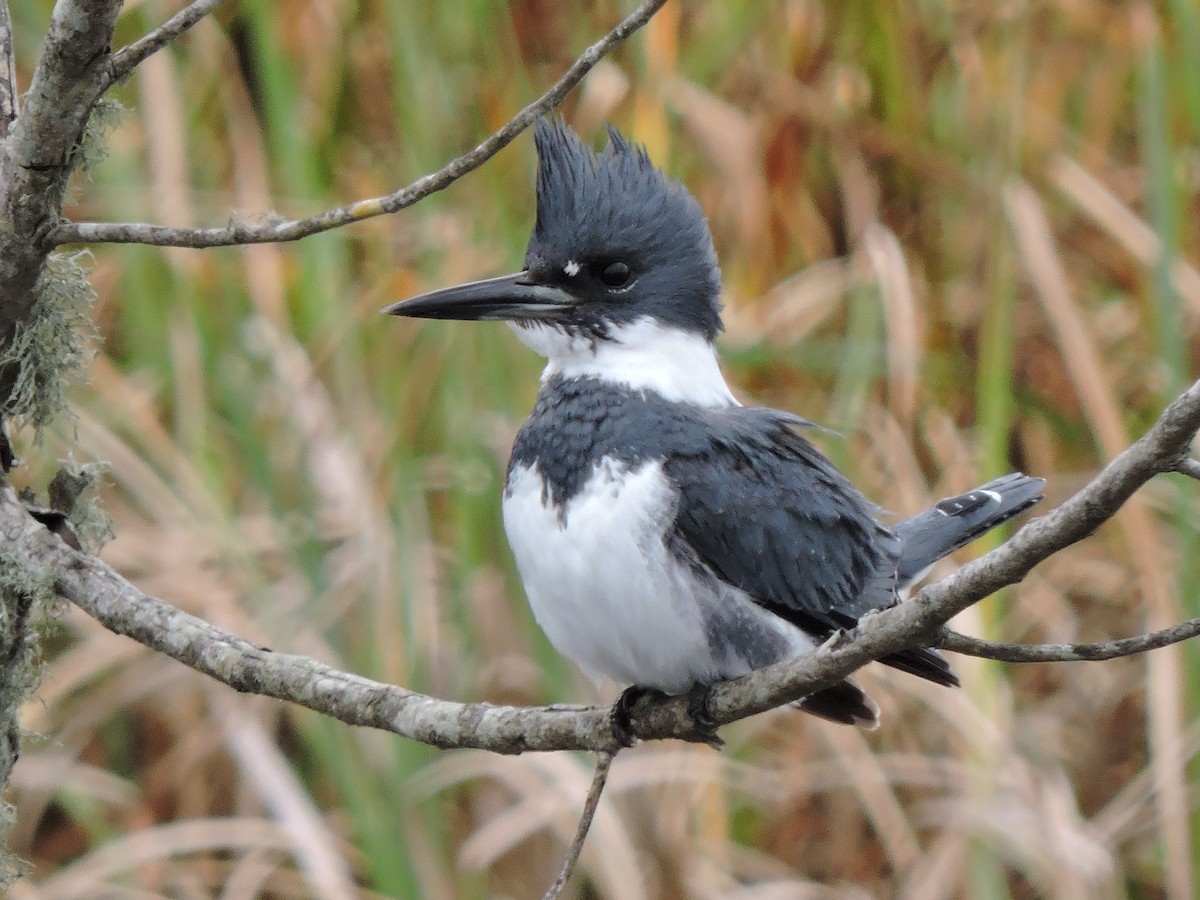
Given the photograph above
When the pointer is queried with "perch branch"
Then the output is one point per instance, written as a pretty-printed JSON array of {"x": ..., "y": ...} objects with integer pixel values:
[
  {"x": 1157, "y": 451},
  {"x": 124, "y": 609}
]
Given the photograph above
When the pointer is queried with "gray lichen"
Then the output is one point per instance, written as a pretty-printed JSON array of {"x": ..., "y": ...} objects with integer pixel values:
[
  {"x": 93, "y": 147},
  {"x": 50, "y": 347}
]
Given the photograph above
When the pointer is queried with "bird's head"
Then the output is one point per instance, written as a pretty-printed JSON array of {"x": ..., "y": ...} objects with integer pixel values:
[{"x": 617, "y": 245}]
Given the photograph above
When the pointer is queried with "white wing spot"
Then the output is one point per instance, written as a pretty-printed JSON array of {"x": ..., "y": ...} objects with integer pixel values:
[
  {"x": 571, "y": 268},
  {"x": 992, "y": 495}
]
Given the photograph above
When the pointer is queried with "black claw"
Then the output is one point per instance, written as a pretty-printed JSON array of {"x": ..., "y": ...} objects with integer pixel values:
[
  {"x": 702, "y": 720},
  {"x": 621, "y": 718}
]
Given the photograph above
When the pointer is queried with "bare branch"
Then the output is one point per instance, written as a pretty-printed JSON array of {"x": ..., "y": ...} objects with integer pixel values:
[
  {"x": 599, "y": 780},
  {"x": 247, "y": 667},
  {"x": 1023, "y": 653},
  {"x": 8, "y": 72},
  {"x": 122, "y": 608},
  {"x": 291, "y": 230},
  {"x": 127, "y": 58}
]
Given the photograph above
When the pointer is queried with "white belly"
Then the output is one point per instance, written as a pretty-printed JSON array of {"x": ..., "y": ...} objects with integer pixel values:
[{"x": 610, "y": 596}]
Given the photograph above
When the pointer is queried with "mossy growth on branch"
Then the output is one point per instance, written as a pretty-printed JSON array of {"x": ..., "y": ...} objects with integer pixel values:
[
  {"x": 50, "y": 346},
  {"x": 93, "y": 148}
]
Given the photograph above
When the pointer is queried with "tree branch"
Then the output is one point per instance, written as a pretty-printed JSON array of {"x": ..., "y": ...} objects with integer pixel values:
[
  {"x": 122, "y": 608},
  {"x": 599, "y": 780},
  {"x": 99, "y": 591},
  {"x": 294, "y": 229},
  {"x": 38, "y": 155},
  {"x": 38, "y": 144},
  {"x": 127, "y": 58},
  {"x": 1023, "y": 653}
]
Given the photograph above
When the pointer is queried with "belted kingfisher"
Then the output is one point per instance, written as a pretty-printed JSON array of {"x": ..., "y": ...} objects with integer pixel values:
[{"x": 667, "y": 536}]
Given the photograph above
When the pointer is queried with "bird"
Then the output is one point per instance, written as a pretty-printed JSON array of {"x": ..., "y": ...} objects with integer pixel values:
[{"x": 667, "y": 536}]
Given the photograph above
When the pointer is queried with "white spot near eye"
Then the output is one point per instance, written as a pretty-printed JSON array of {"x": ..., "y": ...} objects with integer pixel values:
[{"x": 571, "y": 268}]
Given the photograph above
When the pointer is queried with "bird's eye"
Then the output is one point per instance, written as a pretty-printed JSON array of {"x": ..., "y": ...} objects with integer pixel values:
[{"x": 615, "y": 274}]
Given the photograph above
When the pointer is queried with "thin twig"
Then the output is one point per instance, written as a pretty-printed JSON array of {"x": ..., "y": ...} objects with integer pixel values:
[
  {"x": 278, "y": 231},
  {"x": 127, "y": 58},
  {"x": 599, "y": 780},
  {"x": 8, "y": 72},
  {"x": 1024, "y": 653}
]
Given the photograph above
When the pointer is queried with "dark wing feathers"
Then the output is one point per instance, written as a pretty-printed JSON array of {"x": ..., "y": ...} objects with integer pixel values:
[
  {"x": 770, "y": 515},
  {"x": 765, "y": 511}
]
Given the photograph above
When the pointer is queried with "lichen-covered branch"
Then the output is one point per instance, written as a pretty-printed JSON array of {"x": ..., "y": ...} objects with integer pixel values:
[
  {"x": 37, "y": 157},
  {"x": 38, "y": 147},
  {"x": 98, "y": 590},
  {"x": 275, "y": 230}
]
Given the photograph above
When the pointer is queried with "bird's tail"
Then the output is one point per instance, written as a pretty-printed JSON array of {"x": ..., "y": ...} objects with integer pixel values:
[
  {"x": 938, "y": 532},
  {"x": 955, "y": 521}
]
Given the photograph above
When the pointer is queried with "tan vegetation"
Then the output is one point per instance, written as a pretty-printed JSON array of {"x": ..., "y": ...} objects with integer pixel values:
[{"x": 961, "y": 236}]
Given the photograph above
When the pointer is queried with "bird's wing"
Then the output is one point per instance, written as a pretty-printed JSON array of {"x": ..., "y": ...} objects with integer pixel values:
[{"x": 765, "y": 511}]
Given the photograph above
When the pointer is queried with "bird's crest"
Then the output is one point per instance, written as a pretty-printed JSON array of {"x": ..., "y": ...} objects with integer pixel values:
[{"x": 616, "y": 204}]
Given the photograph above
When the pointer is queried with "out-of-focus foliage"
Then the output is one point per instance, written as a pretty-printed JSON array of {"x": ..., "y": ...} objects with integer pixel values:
[{"x": 962, "y": 235}]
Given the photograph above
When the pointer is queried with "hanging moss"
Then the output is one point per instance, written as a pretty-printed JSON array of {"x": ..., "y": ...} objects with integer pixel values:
[{"x": 50, "y": 346}]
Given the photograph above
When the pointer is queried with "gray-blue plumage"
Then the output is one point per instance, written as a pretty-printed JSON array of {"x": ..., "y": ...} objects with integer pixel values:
[
  {"x": 667, "y": 536},
  {"x": 759, "y": 507}
]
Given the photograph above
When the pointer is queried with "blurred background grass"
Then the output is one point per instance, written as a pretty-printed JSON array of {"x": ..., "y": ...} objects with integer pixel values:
[{"x": 960, "y": 234}]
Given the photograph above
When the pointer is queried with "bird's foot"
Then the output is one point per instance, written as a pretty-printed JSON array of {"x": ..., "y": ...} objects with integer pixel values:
[
  {"x": 702, "y": 720},
  {"x": 620, "y": 720},
  {"x": 704, "y": 726}
]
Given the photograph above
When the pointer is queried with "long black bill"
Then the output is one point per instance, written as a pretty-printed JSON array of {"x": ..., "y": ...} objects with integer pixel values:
[{"x": 507, "y": 297}]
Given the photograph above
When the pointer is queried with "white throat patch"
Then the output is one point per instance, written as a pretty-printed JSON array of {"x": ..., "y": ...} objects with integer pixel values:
[{"x": 644, "y": 355}]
